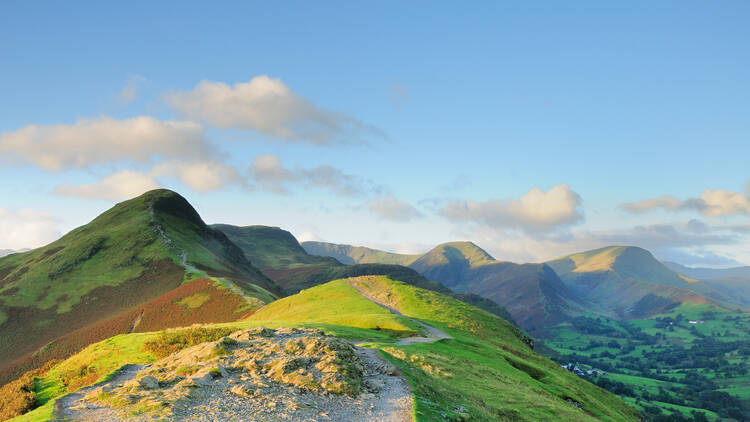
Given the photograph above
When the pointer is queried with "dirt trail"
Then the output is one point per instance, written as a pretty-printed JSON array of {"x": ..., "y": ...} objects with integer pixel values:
[
  {"x": 433, "y": 334},
  {"x": 72, "y": 408},
  {"x": 386, "y": 395}
]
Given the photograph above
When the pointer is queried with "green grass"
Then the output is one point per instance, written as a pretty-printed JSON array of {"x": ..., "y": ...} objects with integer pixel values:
[
  {"x": 719, "y": 367},
  {"x": 486, "y": 372},
  {"x": 103, "y": 358},
  {"x": 347, "y": 308}
]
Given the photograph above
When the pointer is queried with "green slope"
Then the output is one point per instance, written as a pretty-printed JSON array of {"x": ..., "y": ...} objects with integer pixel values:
[
  {"x": 349, "y": 255},
  {"x": 732, "y": 283},
  {"x": 531, "y": 293},
  {"x": 486, "y": 372},
  {"x": 127, "y": 256},
  {"x": 289, "y": 264}
]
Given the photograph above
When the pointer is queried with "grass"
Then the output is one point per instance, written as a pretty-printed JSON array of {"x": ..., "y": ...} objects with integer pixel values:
[
  {"x": 350, "y": 310},
  {"x": 486, "y": 372},
  {"x": 720, "y": 327},
  {"x": 487, "y": 369}
]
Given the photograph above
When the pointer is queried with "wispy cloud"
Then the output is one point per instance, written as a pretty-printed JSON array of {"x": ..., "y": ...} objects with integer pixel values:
[
  {"x": 268, "y": 106},
  {"x": 202, "y": 176},
  {"x": 534, "y": 212},
  {"x": 390, "y": 208},
  {"x": 123, "y": 184},
  {"x": 269, "y": 172},
  {"x": 130, "y": 91},
  {"x": 27, "y": 228},
  {"x": 711, "y": 203},
  {"x": 105, "y": 140}
]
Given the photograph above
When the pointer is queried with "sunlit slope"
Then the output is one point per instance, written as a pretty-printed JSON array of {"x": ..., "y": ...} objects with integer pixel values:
[
  {"x": 533, "y": 294},
  {"x": 628, "y": 281},
  {"x": 733, "y": 283},
  {"x": 487, "y": 369},
  {"x": 486, "y": 372},
  {"x": 278, "y": 254},
  {"x": 348, "y": 254},
  {"x": 126, "y": 257}
]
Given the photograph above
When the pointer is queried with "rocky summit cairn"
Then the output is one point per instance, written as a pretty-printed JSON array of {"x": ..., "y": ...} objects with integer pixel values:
[{"x": 253, "y": 374}]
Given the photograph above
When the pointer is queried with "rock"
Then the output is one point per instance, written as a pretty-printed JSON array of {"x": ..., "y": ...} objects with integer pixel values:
[
  {"x": 223, "y": 371},
  {"x": 242, "y": 391},
  {"x": 374, "y": 385},
  {"x": 387, "y": 369},
  {"x": 149, "y": 383},
  {"x": 367, "y": 396},
  {"x": 203, "y": 381}
]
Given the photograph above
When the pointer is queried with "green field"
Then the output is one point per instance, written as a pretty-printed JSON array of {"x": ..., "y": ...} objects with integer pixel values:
[{"x": 665, "y": 364}]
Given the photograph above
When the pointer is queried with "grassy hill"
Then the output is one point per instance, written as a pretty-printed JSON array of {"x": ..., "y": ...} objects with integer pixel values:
[
  {"x": 628, "y": 281},
  {"x": 733, "y": 283},
  {"x": 283, "y": 259},
  {"x": 347, "y": 254},
  {"x": 532, "y": 293},
  {"x": 484, "y": 372},
  {"x": 84, "y": 286}
]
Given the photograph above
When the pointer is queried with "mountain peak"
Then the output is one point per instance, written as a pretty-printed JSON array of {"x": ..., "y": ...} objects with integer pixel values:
[
  {"x": 457, "y": 252},
  {"x": 155, "y": 202}
]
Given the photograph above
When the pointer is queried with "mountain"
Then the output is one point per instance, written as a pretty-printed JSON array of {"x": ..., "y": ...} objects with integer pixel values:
[
  {"x": 350, "y": 255},
  {"x": 629, "y": 282},
  {"x": 284, "y": 260},
  {"x": 532, "y": 293},
  {"x": 124, "y": 271},
  {"x": 4, "y": 252},
  {"x": 460, "y": 362},
  {"x": 733, "y": 283}
]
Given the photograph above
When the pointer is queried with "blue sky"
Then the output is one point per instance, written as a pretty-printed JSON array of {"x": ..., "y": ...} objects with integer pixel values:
[{"x": 522, "y": 126}]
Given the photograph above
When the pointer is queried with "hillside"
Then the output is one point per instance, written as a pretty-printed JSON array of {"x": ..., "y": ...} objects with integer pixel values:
[
  {"x": 98, "y": 280},
  {"x": 532, "y": 293},
  {"x": 628, "y": 281},
  {"x": 733, "y": 283},
  {"x": 350, "y": 255},
  {"x": 284, "y": 260},
  {"x": 478, "y": 368}
]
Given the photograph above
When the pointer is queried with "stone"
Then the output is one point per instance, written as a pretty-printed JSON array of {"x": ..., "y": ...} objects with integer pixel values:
[{"x": 149, "y": 383}]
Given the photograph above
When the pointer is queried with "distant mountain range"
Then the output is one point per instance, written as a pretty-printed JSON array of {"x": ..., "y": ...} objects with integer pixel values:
[
  {"x": 152, "y": 263},
  {"x": 617, "y": 281}
]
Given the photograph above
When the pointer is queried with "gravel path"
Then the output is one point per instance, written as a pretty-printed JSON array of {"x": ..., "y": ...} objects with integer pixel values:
[
  {"x": 72, "y": 408},
  {"x": 433, "y": 334},
  {"x": 386, "y": 397}
]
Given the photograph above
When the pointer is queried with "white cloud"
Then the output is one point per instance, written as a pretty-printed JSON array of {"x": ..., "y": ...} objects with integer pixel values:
[
  {"x": 534, "y": 212},
  {"x": 202, "y": 176},
  {"x": 711, "y": 203},
  {"x": 104, "y": 140},
  {"x": 308, "y": 237},
  {"x": 662, "y": 239},
  {"x": 390, "y": 208},
  {"x": 268, "y": 171},
  {"x": 268, "y": 106},
  {"x": 123, "y": 184},
  {"x": 26, "y": 228}
]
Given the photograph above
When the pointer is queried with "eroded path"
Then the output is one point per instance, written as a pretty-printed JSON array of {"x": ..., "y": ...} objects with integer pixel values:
[
  {"x": 264, "y": 377},
  {"x": 433, "y": 334}
]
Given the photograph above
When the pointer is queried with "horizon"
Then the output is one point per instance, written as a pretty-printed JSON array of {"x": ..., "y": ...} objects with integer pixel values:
[{"x": 532, "y": 133}]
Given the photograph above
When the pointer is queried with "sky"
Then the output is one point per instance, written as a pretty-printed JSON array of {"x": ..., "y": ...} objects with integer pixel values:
[{"x": 534, "y": 129}]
